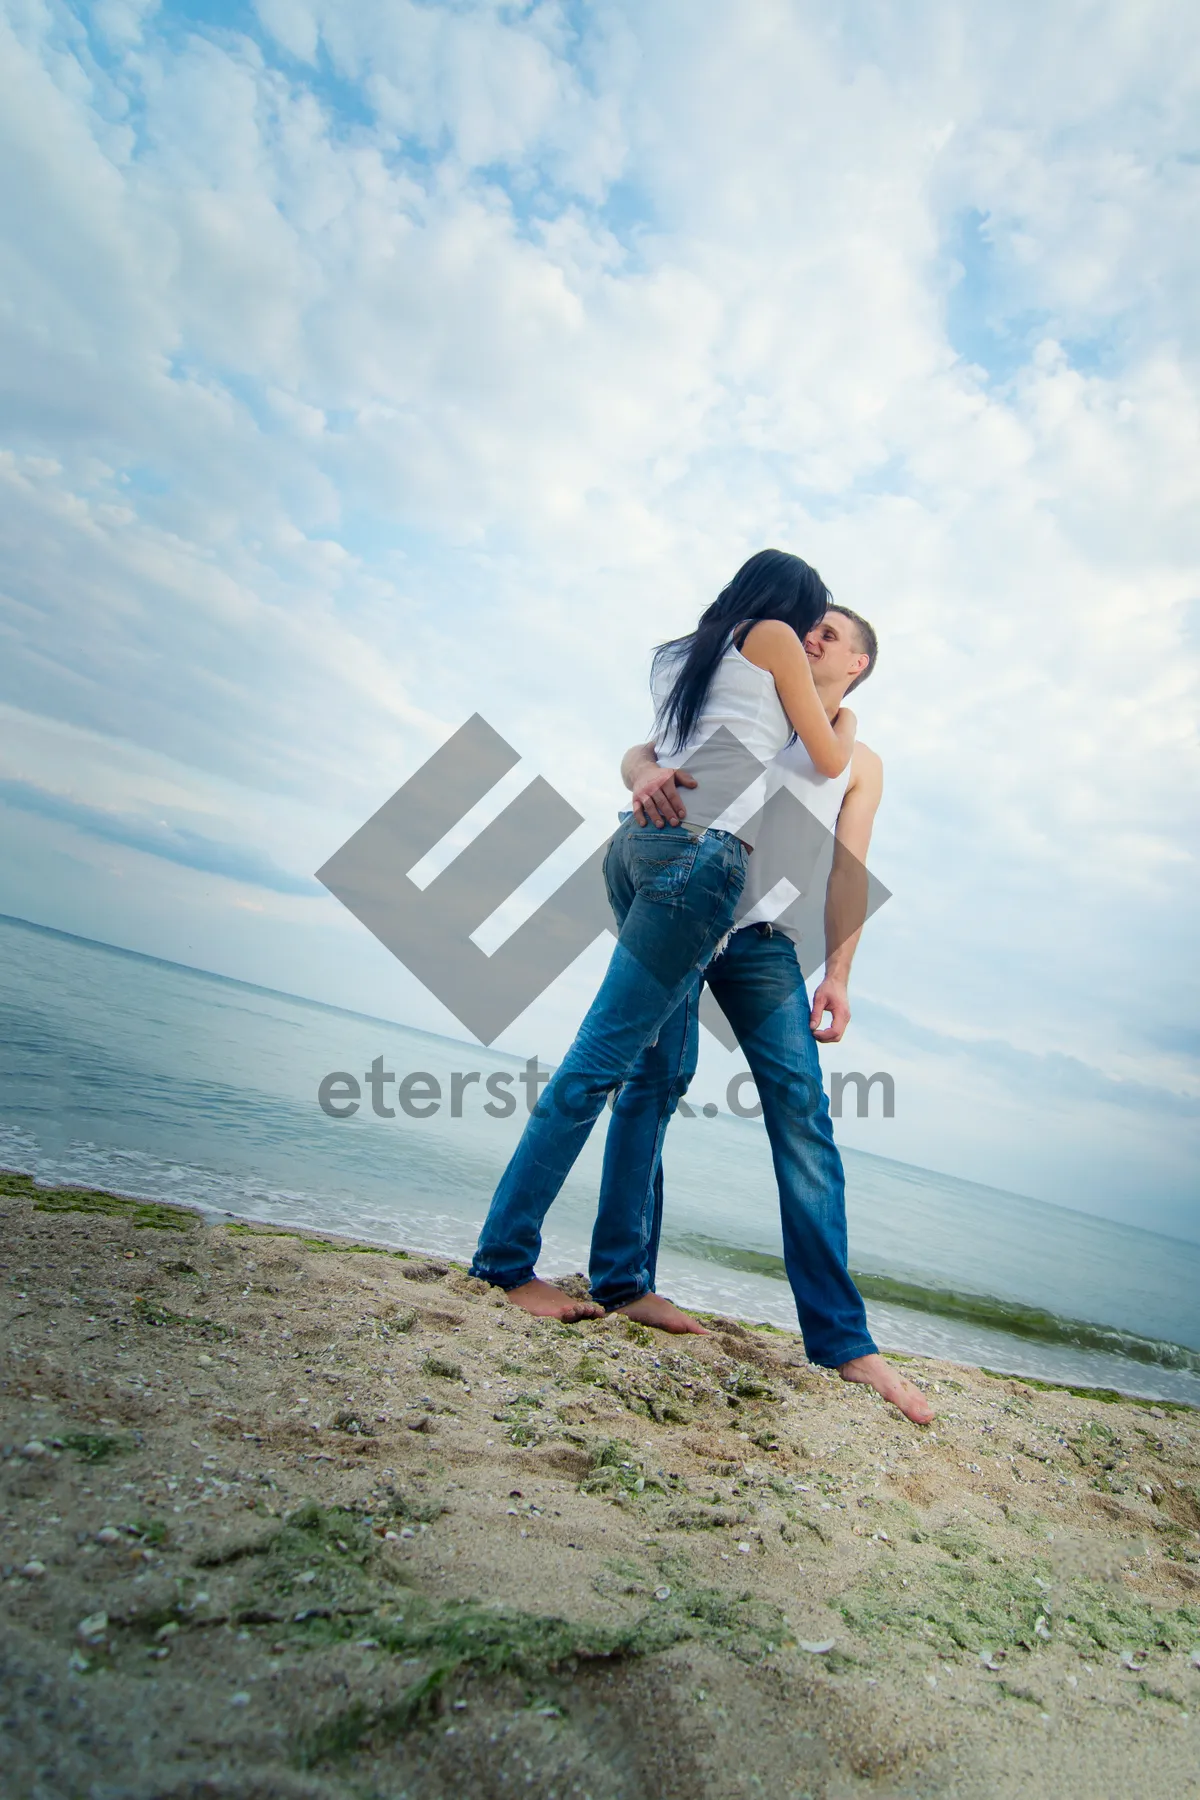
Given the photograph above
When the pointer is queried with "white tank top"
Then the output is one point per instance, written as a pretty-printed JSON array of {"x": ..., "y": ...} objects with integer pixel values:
[
  {"x": 744, "y": 700},
  {"x": 791, "y": 847}
]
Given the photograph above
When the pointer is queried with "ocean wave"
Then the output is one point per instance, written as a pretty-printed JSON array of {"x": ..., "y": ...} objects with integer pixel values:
[{"x": 1012, "y": 1316}]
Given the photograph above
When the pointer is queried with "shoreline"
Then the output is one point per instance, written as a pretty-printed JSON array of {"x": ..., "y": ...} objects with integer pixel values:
[
  {"x": 293, "y": 1515},
  {"x": 1014, "y": 1318},
  {"x": 872, "y": 1287}
]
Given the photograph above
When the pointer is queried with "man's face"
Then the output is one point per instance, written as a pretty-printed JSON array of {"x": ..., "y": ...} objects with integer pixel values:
[{"x": 832, "y": 648}]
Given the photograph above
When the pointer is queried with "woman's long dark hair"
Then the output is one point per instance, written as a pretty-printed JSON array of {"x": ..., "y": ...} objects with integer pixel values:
[{"x": 772, "y": 585}]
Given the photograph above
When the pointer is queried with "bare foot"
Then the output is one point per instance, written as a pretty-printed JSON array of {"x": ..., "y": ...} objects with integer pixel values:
[
  {"x": 547, "y": 1302},
  {"x": 874, "y": 1372},
  {"x": 663, "y": 1314}
]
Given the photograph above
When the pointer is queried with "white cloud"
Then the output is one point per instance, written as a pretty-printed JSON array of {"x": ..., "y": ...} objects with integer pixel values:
[{"x": 414, "y": 360}]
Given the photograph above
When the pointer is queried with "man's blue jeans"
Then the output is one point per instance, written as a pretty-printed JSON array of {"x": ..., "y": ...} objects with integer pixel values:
[
  {"x": 674, "y": 894},
  {"x": 759, "y": 986}
]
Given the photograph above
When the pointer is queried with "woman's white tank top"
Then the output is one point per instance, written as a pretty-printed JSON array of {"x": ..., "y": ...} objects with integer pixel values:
[
  {"x": 786, "y": 843},
  {"x": 744, "y": 700}
]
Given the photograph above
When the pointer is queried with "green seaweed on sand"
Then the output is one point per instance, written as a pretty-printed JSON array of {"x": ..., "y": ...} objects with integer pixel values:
[
  {"x": 148, "y": 1531},
  {"x": 1105, "y": 1396},
  {"x": 323, "y": 1247},
  {"x": 525, "y": 1435},
  {"x": 453, "y": 1638},
  {"x": 746, "y": 1625},
  {"x": 457, "y": 1637},
  {"x": 706, "y": 1514},
  {"x": 320, "y": 1560},
  {"x": 652, "y": 1393},
  {"x": 440, "y": 1367},
  {"x": 618, "y": 1473},
  {"x": 1095, "y": 1615},
  {"x": 590, "y": 1370},
  {"x": 143, "y": 1215},
  {"x": 412, "y": 1508},
  {"x": 319, "y": 1246},
  {"x": 950, "y": 1606},
  {"x": 744, "y": 1382},
  {"x": 1094, "y": 1440},
  {"x": 354, "y": 1421},
  {"x": 96, "y": 1446},
  {"x": 524, "y": 1420},
  {"x": 147, "y": 1312},
  {"x": 957, "y": 1542},
  {"x": 971, "y": 1606},
  {"x": 340, "y": 1735},
  {"x": 1034, "y": 1524},
  {"x": 329, "y": 1547}
]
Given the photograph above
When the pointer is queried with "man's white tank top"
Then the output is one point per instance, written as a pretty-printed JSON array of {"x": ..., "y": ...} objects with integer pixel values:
[
  {"x": 744, "y": 700},
  {"x": 779, "y": 844}
]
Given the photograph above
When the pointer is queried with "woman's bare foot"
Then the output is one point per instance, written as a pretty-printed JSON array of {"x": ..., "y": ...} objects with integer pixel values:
[
  {"x": 663, "y": 1314},
  {"x": 874, "y": 1372},
  {"x": 545, "y": 1301}
]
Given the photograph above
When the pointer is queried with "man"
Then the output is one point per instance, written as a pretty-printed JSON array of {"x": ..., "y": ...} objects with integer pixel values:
[{"x": 758, "y": 983}]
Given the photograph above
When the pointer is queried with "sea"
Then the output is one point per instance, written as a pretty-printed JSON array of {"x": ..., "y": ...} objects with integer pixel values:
[{"x": 148, "y": 1078}]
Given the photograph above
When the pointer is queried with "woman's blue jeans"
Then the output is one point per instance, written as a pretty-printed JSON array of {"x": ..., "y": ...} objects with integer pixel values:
[
  {"x": 759, "y": 986},
  {"x": 674, "y": 894}
]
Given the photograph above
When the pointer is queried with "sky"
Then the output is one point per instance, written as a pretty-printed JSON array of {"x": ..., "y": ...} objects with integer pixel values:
[{"x": 367, "y": 365}]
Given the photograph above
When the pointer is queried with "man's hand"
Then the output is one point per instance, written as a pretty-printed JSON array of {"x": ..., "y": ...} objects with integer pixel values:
[
  {"x": 656, "y": 796},
  {"x": 831, "y": 997}
]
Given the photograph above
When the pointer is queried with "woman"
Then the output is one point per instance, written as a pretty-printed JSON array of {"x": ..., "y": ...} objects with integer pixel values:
[{"x": 673, "y": 890}]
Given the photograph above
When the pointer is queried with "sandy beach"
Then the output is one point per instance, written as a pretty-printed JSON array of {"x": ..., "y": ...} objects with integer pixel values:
[{"x": 285, "y": 1515}]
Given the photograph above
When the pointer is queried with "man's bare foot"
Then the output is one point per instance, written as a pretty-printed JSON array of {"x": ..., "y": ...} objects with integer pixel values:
[
  {"x": 547, "y": 1302},
  {"x": 663, "y": 1314},
  {"x": 874, "y": 1372}
]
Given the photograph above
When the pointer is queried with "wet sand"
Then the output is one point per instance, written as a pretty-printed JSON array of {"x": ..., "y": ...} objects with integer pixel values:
[{"x": 290, "y": 1516}]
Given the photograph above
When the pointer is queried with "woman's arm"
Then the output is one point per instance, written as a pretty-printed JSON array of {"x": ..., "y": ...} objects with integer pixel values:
[{"x": 774, "y": 646}]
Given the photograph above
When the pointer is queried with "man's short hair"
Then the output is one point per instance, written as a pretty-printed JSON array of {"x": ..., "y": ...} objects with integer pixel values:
[{"x": 867, "y": 641}]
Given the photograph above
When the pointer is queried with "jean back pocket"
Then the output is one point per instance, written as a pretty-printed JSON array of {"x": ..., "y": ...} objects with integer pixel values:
[{"x": 661, "y": 860}]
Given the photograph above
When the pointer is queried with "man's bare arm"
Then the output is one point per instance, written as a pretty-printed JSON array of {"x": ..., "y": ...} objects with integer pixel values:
[
  {"x": 654, "y": 787},
  {"x": 846, "y": 893}
]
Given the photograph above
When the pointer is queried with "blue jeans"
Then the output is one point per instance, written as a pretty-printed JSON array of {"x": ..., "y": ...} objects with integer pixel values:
[
  {"x": 674, "y": 894},
  {"x": 759, "y": 986}
]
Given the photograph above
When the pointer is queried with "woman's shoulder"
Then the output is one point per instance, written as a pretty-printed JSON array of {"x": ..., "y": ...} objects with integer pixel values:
[
  {"x": 767, "y": 639},
  {"x": 770, "y": 631}
]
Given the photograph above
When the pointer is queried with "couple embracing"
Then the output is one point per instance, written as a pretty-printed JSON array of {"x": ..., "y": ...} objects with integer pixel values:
[{"x": 758, "y": 685}]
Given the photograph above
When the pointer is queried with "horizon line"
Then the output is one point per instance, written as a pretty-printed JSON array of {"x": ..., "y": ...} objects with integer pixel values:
[{"x": 346, "y": 1012}]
